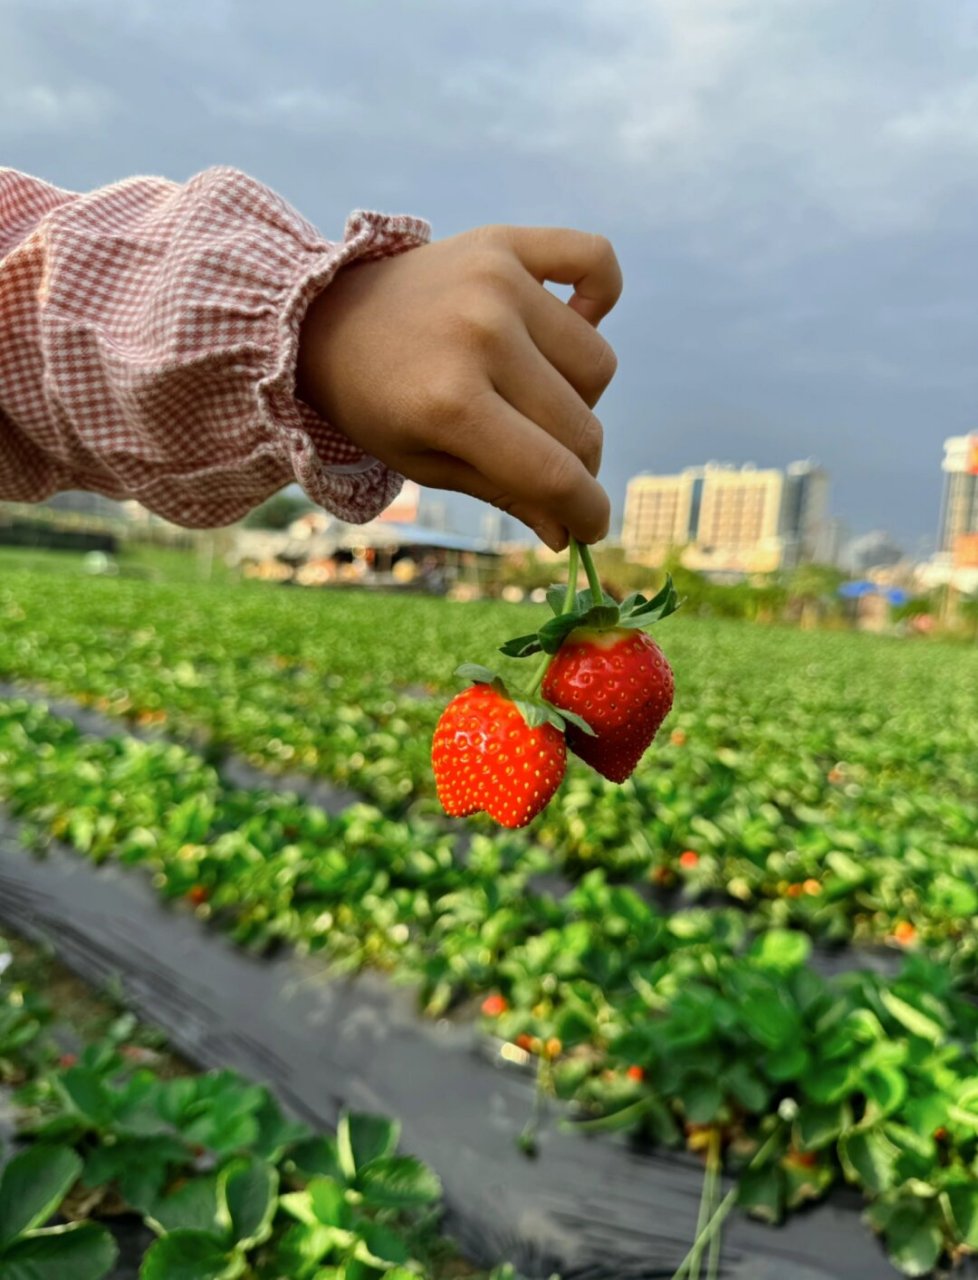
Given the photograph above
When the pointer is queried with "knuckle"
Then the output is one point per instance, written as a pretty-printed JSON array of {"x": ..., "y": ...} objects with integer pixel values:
[
  {"x": 479, "y": 323},
  {"x": 605, "y": 364},
  {"x": 445, "y": 401},
  {"x": 494, "y": 268},
  {"x": 603, "y": 249},
  {"x": 591, "y": 444},
  {"x": 563, "y": 478}
]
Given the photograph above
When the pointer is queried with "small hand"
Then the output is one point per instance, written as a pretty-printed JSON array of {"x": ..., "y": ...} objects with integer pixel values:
[{"x": 455, "y": 366}]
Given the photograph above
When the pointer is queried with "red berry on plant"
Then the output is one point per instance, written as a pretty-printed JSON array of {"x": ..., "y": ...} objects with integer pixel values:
[
  {"x": 495, "y": 1005},
  {"x": 636, "y": 1073},
  {"x": 688, "y": 859}
]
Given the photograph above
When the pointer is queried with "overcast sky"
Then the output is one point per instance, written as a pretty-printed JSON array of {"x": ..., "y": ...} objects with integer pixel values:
[{"x": 791, "y": 185}]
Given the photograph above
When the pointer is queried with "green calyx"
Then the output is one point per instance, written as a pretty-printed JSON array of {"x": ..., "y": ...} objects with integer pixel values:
[
  {"x": 536, "y": 711},
  {"x": 597, "y": 611}
]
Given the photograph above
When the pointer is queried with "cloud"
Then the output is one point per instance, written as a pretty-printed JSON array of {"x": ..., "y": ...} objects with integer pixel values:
[
  {"x": 302, "y": 110},
  {"x": 760, "y": 120},
  {"x": 34, "y": 107}
]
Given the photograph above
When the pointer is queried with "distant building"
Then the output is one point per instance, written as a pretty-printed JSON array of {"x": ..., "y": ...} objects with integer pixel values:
[
  {"x": 661, "y": 512},
  {"x": 729, "y": 519},
  {"x": 805, "y": 513},
  {"x": 740, "y": 519},
  {"x": 957, "y": 539}
]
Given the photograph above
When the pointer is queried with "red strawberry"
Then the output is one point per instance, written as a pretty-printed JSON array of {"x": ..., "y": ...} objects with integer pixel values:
[
  {"x": 486, "y": 757},
  {"x": 620, "y": 683}
]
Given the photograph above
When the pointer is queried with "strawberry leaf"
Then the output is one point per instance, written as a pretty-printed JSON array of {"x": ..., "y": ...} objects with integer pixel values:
[
  {"x": 534, "y": 713},
  {"x": 476, "y": 673},
  {"x": 556, "y": 596},
  {"x": 571, "y": 717},
  {"x": 521, "y": 647}
]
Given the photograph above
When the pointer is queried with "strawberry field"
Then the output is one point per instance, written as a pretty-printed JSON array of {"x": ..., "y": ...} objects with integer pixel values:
[{"x": 762, "y": 947}]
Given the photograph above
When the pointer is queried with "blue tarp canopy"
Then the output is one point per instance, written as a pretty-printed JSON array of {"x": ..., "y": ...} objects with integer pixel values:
[{"x": 857, "y": 590}]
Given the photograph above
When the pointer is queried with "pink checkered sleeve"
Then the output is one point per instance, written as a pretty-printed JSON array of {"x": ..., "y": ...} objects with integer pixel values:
[{"x": 148, "y": 341}]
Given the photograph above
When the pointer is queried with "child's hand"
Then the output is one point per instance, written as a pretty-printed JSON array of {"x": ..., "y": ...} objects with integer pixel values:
[{"x": 456, "y": 367}]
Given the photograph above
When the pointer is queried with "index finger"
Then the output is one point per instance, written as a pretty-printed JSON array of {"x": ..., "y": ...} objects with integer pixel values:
[{"x": 581, "y": 258}]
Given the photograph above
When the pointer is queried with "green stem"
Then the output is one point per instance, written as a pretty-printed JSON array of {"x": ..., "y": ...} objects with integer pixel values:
[
  {"x": 708, "y": 1206},
  {"x": 713, "y": 1263},
  {"x": 569, "y": 598},
  {"x": 572, "y": 568},
  {"x": 594, "y": 582},
  {"x": 726, "y": 1204}
]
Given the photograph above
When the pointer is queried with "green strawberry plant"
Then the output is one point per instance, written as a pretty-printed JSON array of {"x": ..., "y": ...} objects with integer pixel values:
[
  {"x": 228, "y": 1184},
  {"x": 32, "y": 1187}
]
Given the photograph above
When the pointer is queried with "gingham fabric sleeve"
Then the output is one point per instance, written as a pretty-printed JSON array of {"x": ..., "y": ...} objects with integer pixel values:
[{"x": 148, "y": 341}]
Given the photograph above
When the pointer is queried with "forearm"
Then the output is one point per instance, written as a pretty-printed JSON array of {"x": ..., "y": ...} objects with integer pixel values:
[{"x": 148, "y": 342}]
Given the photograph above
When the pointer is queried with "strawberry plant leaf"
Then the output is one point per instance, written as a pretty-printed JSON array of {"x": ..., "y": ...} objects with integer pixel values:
[
  {"x": 781, "y": 950},
  {"x": 88, "y": 1095},
  {"x": 249, "y": 1188},
  {"x": 302, "y": 1247},
  {"x": 534, "y": 713},
  {"x": 82, "y": 1251},
  {"x": 380, "y": 1245},
  {"x": 522, "y": 646},
  {"x": 553, "y": 633},
  {"x": 32, "y": 1186},
  {"x": 399, "y": 1182},
  {"x": 194, "y": 1206},
  {"x": 276, "y": 1134},
  {"x": 556, "y": 595},
  {"x": 361, "y": 1139},
  {"x": 569, "y": 717},
  {"x": 761, "y": 1192},
  {"x": 963, "y": 1199},
  {"x": 316, "y": 1156},
  {"x": 327, "y": 1201},
  {"x": 869, "y": 1157},
  {"x": 476, "y": 673},
  {"x": 818, "y": 1126},
  {"x": 914, "y": 1239},
  {"x": 916, "y": 1022},
  {"x": 190, "y": 1255}
]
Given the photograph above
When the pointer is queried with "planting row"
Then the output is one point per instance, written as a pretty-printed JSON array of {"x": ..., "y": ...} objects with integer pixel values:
[
  {"x": 682, "y": 1028},
  {"x": 227, "y": 1185},
  {"x": 782, "y": 745},
  {"x": 838, "y": 883}
]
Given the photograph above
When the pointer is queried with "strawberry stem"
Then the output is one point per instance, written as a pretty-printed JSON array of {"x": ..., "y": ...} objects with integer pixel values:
[
  {"x": 572, "y": 569},
  {"x": 539, "y": 672},
  {"x": 594, "y": 582},
  {"x": 570, "y": 599},
  {"x": 707, "y": 1233}
]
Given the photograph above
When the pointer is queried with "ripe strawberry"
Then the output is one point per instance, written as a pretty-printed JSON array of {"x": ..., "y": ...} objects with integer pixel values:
[
  {"x": 486, "y": 757},
  {"x": 617, "y": 680}
]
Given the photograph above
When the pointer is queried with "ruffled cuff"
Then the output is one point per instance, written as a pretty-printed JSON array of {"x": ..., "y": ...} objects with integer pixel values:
[{"x": 331, "y": 469}]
